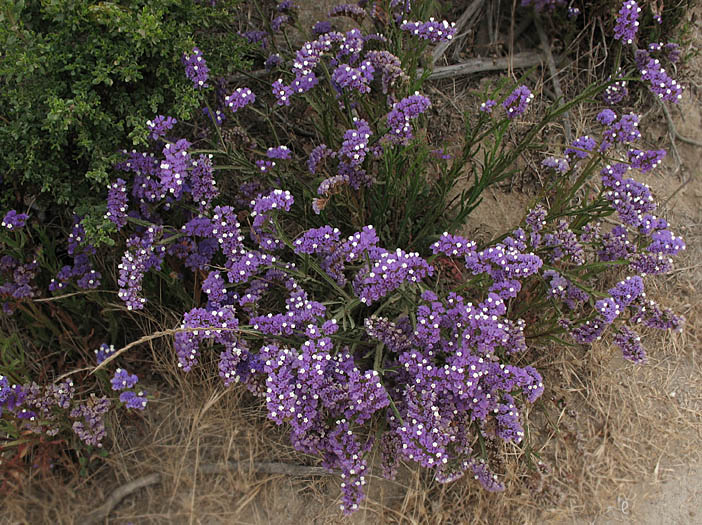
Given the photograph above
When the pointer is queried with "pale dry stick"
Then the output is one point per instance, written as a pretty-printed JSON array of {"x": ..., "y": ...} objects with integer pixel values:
[
  {"x": 523, "y": 60},
  {"x": 546, "y": 46},
  {"x": 467, "y": 15},
  {"x": 263, "y": 467}
]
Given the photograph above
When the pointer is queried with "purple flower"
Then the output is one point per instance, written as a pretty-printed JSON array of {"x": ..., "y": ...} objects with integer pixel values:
[
  {"x": 486, "y": 107},
  {"x": 317, "y": 155},
  {"x": 160, "y": 125},
  {"x": 281, "y": 152},
  {"x": 433, "y": 31},
  {"x": 646, "y": 160},
  {"x": 350, "y": 10},
  {"x": 174, "y": 167},
  {"x": 516, "y": 103},
  {"x": 661, "y": 84},
  {"x": 278, "y": 22},
  {"x": 14, "y": 220},
  {"x": 560, "y": 165},
  {"x": 117, "y": 203},
  {"x": 345, "y": 76},
  {"x": 606, "y": 117},
  {"x": 624, "y": 131},
  {"x": 355, "y": 145},
  {"x": 581, "y": 147},
  {"x": 141, "y": 255},
  {"x": 615, "y": 92},
  {"x": 133, "y": 400},
  {"x": 573, "y": 12},
  {"x": 390, "y": 67},
  {"x": 240, "y": 98},
  {"x": 627, "y": 22},
  {"x": 195, "y": 68},
  {"x": 104, "y": 352},
  {"x": 321, "y": 27},
  {"x": 630, "y": 344},
  {"x": 400, "y": 117},
  {"x": 123, "y": 380},
  {"x": 320, "y": 241},
  {"x": 387, "y": 271},
  {"x": 627, "y": 291},
  {"x": 272, "y": 62},
  {"x": 90, "y": 424}
]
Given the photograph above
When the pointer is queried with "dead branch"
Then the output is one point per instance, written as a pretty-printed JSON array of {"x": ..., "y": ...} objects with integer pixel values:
[
  {"x": 117, "y": 495},
  {"x": 523, "y": 60}
]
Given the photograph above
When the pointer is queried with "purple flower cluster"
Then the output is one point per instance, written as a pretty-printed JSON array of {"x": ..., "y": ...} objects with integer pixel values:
[
  {"x": 400, "y": 117},
  {"x": 660, "y": 82},
  {"x": 141, "y": 255},
  {"x": 486, "y": 107},
  {"x": 239, "y": 98},
  {"x": 517, "y": 102},
  {"x": 580, "y": 147},
  {"x": 82, "y": 269},
  {"x": 432, "y": 30},
  {"x": 386, "y": 272},
  {"x": 14, "y": 220},
  {"x": 117, "y": 201},
  {"x": 196, "y": 68},
  {"x": 160, "y": 125},
  {"x": 627, "y": 22}
]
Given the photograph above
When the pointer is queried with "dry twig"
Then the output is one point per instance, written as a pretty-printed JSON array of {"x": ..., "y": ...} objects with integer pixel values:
[{"x": 478, "y": 65}]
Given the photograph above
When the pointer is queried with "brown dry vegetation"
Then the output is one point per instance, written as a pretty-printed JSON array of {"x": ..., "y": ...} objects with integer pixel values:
[{"x": 610, "y": 434}]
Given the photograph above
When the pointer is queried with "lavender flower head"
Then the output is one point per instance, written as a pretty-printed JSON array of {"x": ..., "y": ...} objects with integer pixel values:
[
  {"x": 432, "y": 30},
  {"x": 117, "y": 203},
  {"x": 240, "y": 98},
  {"x": 627, "y": 22},
  {"x": 516, "y": 103},
  {"x": 196, "y": 68},
  {"x": 14, "y": 220},
  {"x": 160, "y": 125},
  {"x": 486, "y": 107}
]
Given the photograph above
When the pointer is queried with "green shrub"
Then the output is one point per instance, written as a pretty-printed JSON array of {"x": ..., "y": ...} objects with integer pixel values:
[{"x": 79, "y": 79}]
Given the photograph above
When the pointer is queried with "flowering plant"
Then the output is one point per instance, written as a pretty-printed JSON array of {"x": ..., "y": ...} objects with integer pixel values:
[{"x": 321, "y": 253}]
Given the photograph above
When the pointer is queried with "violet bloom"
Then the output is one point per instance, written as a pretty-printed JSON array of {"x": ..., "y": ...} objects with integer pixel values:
[
  {"x": 104, "y": 352},
  {"x": 133, "y": 400},
  {"x": 624, "y": 131},
  {"x": 560, "y": 165},
  {"x": 630, "y": 344},
  {"x": 14, "y": 220},
  {"x": 317, "y": 155},
  {"x": 348, "y": 10},
  {"x": 486, "y": 107},
  {"x": 355, "y": 145},
  {"x": 117, "y": 203},
  {"x": 240, "y": 98},
  {"x": 627, "y": 22},
  {"x": 516, "y": 103},
  {"x": 195, "y": 68},
  {"x": 321, "y": 27},
  {"x": 581, "y": 147},
  {"x": 432, "y": 30},
  {"x": 160, "y": 125},
  {"x": 400, "y": 117},
  {"x": 123, "y": 380},
  {"x": 606, "y": 117},
  {"x": 352, "y": 78},
  {"x": 272, "y": 62},
  {"x": 281, "y": 152},
  {"x": 646, "y": 160},
  {"x": 661, "y": 84}
]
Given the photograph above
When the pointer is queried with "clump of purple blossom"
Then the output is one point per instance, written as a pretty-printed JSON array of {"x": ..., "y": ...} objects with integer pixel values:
[
  {"x": 517, "y": 102},
  {"x": 627, "y": 22},
  {"x": 196, "y": 68}
]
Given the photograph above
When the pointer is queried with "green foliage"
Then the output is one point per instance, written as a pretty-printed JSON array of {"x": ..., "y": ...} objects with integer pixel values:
[{"x": 80, "y": 78}]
